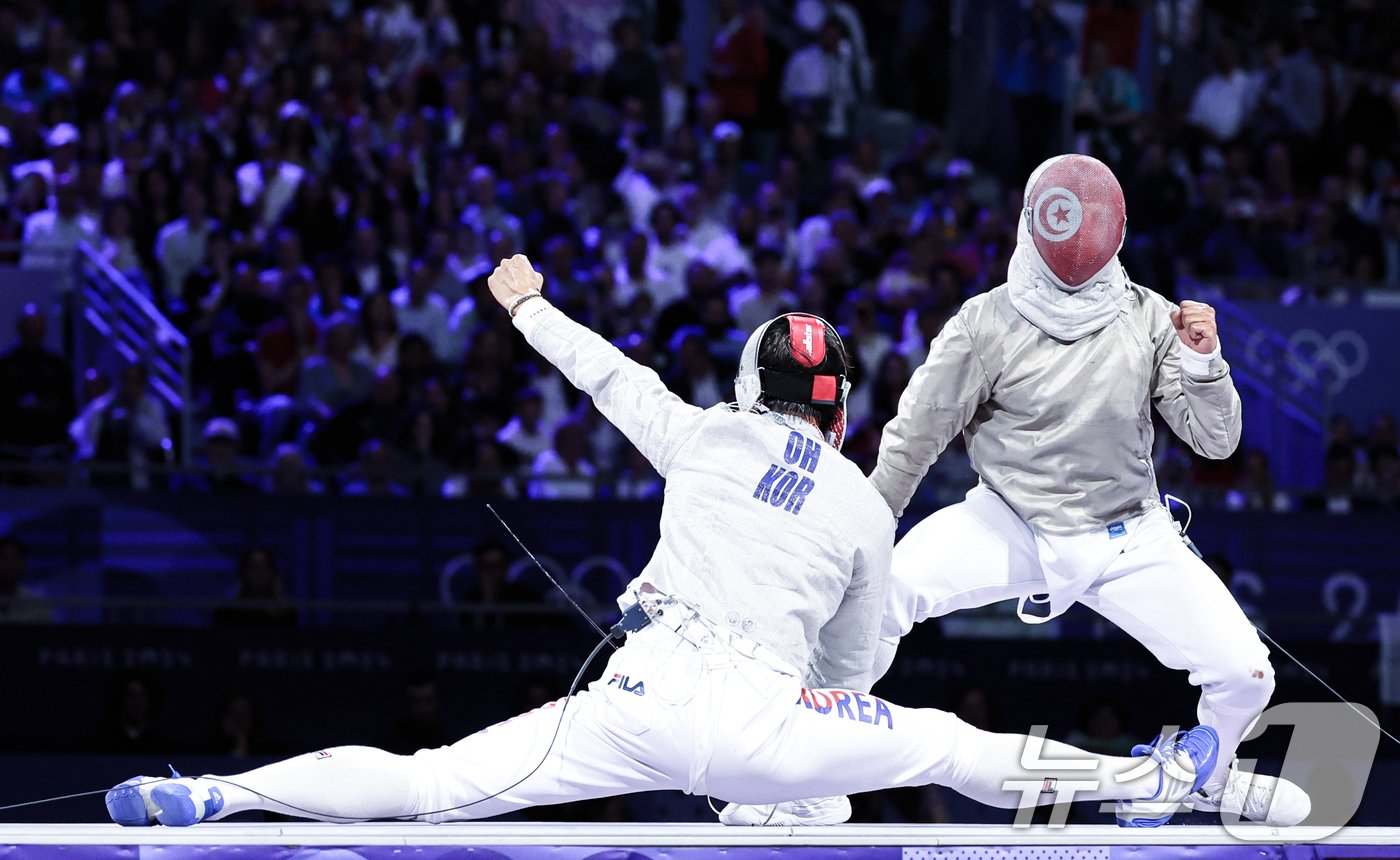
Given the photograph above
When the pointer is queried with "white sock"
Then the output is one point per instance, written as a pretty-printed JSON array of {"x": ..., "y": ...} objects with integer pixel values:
[{"x": 337, "y": 784}]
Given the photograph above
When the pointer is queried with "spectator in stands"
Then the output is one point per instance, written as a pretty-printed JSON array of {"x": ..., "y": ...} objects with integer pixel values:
[
  {"x": 634, "y": 275},
  {"x": 124, "y": 432},
  {"x": 379, "y": 332},
  {"x": 1255, "y": 490},
  {"x": 238, "y": 310},
  {"x": 485, "y": 212},
  {"x": 563, "y": 471},
  {"x": 738, "y": 60},
  {"x": 19, "y": 604},
  {"x": 52, "y": 235},
  {"x": 1290, "y": 98},
  {"x": 180, "y": 245},
  {"x": 1385, "y": 473},
  {"x": 492, "y": 586},
  {"x": 1222, "y": 102},
  {"x": 374, "y": 473},
  {"x": 638, "y": 480},
  {"x": 8, "y": 183},
  {"x": 129, "y": 724},
  {"x": 62, "y": 144},
  {"x": 286, "y": 342},
  {"x": 767, "y": 296},
  {"x": 1383, "y": 433},
  {"x": 1106, "y": 108},
  {"x": 427, "y": 444},
  {"x": 1320, "y": 257},
  {"x": 1388, "y": 265},
  {"x": 1030, "y": 69},
  {"x": 701, "y": 283},
  {"x": 491, "y": 471},
  {"x": 670, "y": 253},
  {"x": 283, "y": 347},
  {"x": 330, "y": 297},
  {"x": 32, "y": 85},
  {"x": 420, "y": 724},
  {"x": 267, "y": 185},
  {"x": 677, "y": 94},
  {"x": 633, "y": 73},
  {"x": 525, "y": 433},
  {"x": 239, "y": 732},
  {"x": 220, "y": 473},
  {"x": 339, "y": 440},
  {"x": 259, "y": 599},
  {"x": 819, "y": 84},
  {"x": 333, "y": 378},
  {"x": 1338, "y": 494},
  {"x": 289, "y": 474},
  {"x": 891, "y": 378},
  {"x": 368, "y": 268},
  {"x": 555, "y": 216},
  {"x": 116, "y": 246},
  {"x": 420, "y": 309},
  {"x": 36, "y": 393},
  {"x": 417, "y": 366},
  {"x": 1101, "y": 727},
  {"x": 121, "y": 175},
  {"x": 697, "y": 379}
]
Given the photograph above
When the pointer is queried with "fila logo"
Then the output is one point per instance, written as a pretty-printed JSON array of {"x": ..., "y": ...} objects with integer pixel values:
[
  {"x": 322, "y": 754},
  {"x": 625, "y": 684}
]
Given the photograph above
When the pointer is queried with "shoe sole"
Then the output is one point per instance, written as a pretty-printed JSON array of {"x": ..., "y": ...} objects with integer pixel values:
[
  {"x": 127, "y": 807},
  {"x": 176, "y": 806},
  {"x": 1208, "y": 766},
  {"x": 1144, "y": 822}
]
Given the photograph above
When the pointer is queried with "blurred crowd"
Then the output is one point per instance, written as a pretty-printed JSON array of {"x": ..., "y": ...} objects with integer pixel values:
[{"x": 315, "y": 192}]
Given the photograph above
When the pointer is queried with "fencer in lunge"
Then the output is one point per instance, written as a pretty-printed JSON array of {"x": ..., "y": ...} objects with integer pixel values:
[
  {"x": 754, "y": 629},
  {"x": 1051, "y": 378}
]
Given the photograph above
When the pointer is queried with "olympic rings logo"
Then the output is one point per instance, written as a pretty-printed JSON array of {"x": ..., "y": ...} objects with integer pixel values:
[
  {"x": 1057, "y": 214},
  {"x": 1314, "y": 359}
]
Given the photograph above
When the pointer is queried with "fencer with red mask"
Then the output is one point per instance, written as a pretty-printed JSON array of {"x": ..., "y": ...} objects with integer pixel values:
[{"x": 1052, "y": 378}]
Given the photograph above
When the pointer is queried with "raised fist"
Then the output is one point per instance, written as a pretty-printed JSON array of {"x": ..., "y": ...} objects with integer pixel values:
[
  {"x": 1195, "y": 325},
  {"x": 514, "y": 278}
]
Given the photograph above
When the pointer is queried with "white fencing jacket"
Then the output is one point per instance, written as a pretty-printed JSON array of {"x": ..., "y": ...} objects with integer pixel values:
[{"x": 766, "y": 530}]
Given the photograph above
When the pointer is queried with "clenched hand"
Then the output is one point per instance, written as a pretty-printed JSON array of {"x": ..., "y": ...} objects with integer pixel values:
[
  {"x": 513, "y": 279},
  {"x": 1195, "y": 325}
]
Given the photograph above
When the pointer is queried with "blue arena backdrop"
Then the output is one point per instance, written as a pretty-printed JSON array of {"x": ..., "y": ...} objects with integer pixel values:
[
  {"x": 1305, "y": 576},
  {"x": 1357, "y": 346},
  {"x": 327, "y": 687}
]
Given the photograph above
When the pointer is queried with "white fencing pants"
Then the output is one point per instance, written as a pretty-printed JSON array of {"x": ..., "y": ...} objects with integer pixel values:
[
  {"x": 722, "y": 717},
  {"x": 979, "y": 552}
]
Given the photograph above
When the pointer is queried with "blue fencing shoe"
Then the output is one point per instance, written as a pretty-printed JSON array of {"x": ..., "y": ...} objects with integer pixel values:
[
  {"x": 185, "y": 801},
  {"x": 130, "y": 805},
  {"x": 1185, "y": 761}
]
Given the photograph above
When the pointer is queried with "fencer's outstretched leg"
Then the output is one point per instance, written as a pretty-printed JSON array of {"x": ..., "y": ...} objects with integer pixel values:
[
  {"x": 836, "y": 741},
  {"x": 515, "y": 764},
  {"x": 340, "y": 784}
]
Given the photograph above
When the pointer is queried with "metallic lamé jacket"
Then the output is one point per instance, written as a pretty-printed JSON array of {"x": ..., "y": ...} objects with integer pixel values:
[{"x": 1061, "y": 431}]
